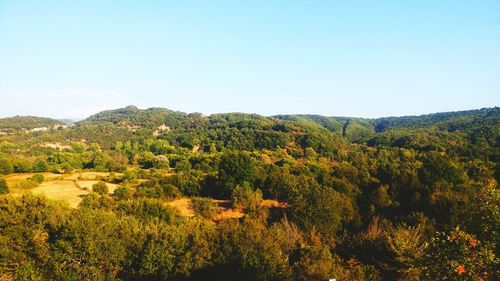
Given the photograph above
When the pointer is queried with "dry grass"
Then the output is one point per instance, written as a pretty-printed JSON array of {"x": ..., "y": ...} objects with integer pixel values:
[
  {"x": 56, "y": 145},
  {"x": 69, "y": 188},
  {"x": 273, "y": 204},
  {"x": 88, "y": 185},
  {"x": 183, "y": 205},
  {"x": 60, "y": 190},
  {"x": 229, "y": 214},
  {"x": 12, "y": 179},
  {"x": 60, "y": 187},
  {"x": 87, "y": 175}
]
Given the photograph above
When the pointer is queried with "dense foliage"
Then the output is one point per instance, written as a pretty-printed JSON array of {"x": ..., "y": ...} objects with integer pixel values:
[{"x": 400, "y": 198}]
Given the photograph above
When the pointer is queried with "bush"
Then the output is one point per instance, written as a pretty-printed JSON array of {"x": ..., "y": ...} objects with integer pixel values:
[
  {"x": 318, "y": 208},
  {"x": 6, "y": 166},
  {"x": 94, "y": 201},
  {"x": 26, "y": 184},
  {"x": 245, "y": 197},
  {"x": 147, "y": 209},
  {"x": 459, "y": 256},
  {"x": 123, "y": 193},
  {"x": 100, "y": 188},
  {"x": 204, "y": 207},
  {"x": 40, "y": 166},
  {"x": 4, "y": 188},
  {"x": 157, "y": 188},
  {"x": 38, "y": 178}
]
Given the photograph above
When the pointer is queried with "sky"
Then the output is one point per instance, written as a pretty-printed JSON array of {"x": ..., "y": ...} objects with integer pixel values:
[{"x": 70, "y": 59}]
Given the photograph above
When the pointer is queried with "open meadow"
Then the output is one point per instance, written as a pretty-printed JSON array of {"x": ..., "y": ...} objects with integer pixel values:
[{"x": 67, "y": 187}]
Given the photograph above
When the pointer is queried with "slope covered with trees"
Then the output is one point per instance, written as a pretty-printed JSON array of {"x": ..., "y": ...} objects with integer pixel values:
[
  {"x": 27, "y": 122},
  {"x": 399, "y": 198}
]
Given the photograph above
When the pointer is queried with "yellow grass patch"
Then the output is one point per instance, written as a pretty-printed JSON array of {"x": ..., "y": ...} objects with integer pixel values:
[
  {"x": 273, "y": 204},
  {"x": 60, "y": 190},
  {"x": 12, "y": 179},
  {"x": 60, "y": 187},
  {"x": 229, "y": 214},
  {"x": 87, "y": 175},
  {"x": 88, "y": 185},
  {"x": 183, "y": 205}
]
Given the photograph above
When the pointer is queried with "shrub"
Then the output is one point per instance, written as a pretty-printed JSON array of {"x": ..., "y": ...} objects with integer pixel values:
[
  {"x": 26, "y": 184},
  {"x": 100, "y": 188},
  {"x": 146, "y": 209},
  {"x": 38, "y": 178},
  {"x": 94, "y": 201},
  {"x": 4, "y": 188},
  {"x": 204, "y": 207},
  {"x": 123, "y": 193},
  {"x": 459, "y": 256},
  {"x": 245, "y": 197},
  {"x": 6, "y": 166},
  {"x": 317, "y": 208},
  {"x": 40, "y": 166}
]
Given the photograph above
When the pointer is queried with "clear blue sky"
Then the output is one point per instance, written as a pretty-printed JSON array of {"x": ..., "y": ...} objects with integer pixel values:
[{"x": 350, "y": 58}]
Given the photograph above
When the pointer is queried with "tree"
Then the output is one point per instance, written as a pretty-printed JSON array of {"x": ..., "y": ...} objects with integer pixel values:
[
  {"x": 407, "y": 247},
  {"x": 146, "y": 160},
  {"x": 40, "y": 166},
  {"x": 6, "y": 166},
  {"x": 22, "y": 166},
  {"x": 318, "y": 208},
  {"x": 183, "y": 165},
  {"x": 245, "y": 197},
  {"x": 235, "y": 168},
  {"x": 100, "y": 188}
]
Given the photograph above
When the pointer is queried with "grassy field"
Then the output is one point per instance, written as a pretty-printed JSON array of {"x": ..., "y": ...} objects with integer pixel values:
[
  {"x": 227, "y": 212},
  {"x": 60, "y": 190},
  {"x": 60, "y": 187},
  {"x": 73, "y": 187}
]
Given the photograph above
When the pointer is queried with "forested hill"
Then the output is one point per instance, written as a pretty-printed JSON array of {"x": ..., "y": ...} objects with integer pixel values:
[
  {"x": 165, "y": 195},
  {"x": 355, "y": 129},
  {"x": 440, "y": 131},
  {"x": 467, "y": 131},
  {"x": 27, "y": 122}
]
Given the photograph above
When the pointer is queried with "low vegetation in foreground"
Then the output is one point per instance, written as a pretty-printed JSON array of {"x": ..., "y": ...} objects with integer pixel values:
[{"x": 155, "y": 194}]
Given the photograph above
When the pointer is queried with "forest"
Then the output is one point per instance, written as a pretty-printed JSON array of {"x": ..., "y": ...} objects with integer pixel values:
[{"x": 157, "y": 194}]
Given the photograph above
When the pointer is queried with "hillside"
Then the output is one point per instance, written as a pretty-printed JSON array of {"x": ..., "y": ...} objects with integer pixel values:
[
  {"x": 251, "y": 131},
  {"x": 27, "y": 122},
  {"x": 156, "y": 194}
]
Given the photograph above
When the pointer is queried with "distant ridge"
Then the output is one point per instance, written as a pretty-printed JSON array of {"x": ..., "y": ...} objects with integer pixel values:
[{"x": 27, "y": 122}]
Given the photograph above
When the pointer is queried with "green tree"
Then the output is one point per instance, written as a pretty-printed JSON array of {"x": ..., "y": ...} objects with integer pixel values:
[
  {"x": 315, "y": 207},
  {"x": 183, "y": 165},
  {"x": 40, "y": 166},
  {"x": 235, "y": 168},
  {"x": 246, "y": 198},
  {"x": 6, "y": 166}
]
